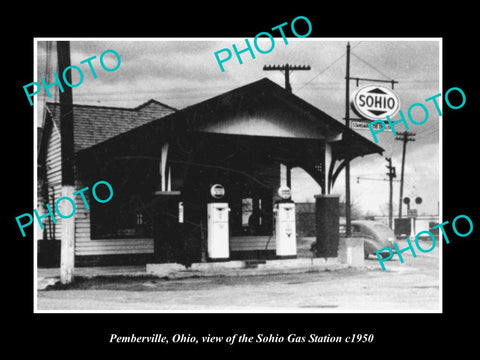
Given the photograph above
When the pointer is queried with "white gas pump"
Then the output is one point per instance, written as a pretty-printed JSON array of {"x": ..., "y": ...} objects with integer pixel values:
[
  {"x": 285, "y": 229},
  {"x": 217, "y": 227}
]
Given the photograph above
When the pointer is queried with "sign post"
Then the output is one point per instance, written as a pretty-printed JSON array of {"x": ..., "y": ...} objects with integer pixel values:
[{"x": 383, "y": 102}]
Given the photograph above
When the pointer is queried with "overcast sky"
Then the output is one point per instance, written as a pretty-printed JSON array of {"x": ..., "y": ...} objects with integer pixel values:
[{"x": 180, "y": 73}]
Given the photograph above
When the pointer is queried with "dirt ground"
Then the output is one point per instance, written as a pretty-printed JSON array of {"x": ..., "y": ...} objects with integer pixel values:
[{"x": 413, "y": 286}]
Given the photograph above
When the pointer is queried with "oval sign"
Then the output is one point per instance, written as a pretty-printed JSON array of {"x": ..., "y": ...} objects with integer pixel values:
[
  {"x": 284, "y": 192},
  {"x": 217, "y": 191},
  {"x": 375, "y": 102}
]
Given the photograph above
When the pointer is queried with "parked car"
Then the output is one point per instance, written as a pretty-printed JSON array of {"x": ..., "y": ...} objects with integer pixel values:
[{"x": 376, "y": 236}]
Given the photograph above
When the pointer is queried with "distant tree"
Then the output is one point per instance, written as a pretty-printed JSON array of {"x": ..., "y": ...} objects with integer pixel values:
[
  {"x": 383, "y": 208},
  {"x": 355, "y": 209}
]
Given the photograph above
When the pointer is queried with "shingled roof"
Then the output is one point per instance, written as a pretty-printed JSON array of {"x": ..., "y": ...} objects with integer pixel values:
[
  {"x": 227, "y": 104},
  {"x": 95, "y": 124}
]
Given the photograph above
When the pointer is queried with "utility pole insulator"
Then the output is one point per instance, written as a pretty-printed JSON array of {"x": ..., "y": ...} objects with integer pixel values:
[{"x": 287, "y": 68}]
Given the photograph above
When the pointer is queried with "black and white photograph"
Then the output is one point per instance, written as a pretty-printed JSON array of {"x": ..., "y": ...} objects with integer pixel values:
[
  {"x": 228, "y": 175},
  {"x": 229, "y": 181}
]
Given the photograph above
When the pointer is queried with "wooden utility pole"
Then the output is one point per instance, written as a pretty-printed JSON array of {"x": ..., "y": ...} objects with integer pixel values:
[
  {"x": 405, "y": 136},
  {"x": 348, "y": 216},
  {"x": 287, "y": 69},
  {"x": 67, "y": 253},
  {"x": 391, "y": 174}
]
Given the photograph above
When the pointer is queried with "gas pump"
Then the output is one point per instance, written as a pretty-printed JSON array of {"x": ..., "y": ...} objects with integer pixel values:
[
  {"x": 285, "y": 230},
  {"x": 217, "y": 226}
]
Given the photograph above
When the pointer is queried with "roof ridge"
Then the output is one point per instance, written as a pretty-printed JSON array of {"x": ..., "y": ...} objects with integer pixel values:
[
  {"x": 156, "y": 102},
  {"x": 232, "y": 91},
  {"x": 136, "y": 108},
  {"x": 262, "y": 80},
  {"x": 276, "y": 90},
  {"x": 94, "y": 106}
]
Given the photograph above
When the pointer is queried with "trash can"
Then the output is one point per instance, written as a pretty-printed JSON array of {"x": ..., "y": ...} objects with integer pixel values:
[
  {"x": 167, "y": 228},
  {"x": 327, "y": 223}
]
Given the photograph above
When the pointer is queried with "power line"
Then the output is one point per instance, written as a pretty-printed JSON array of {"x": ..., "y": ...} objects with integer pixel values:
[
  {"x": 321, "y": 72},
  {"x": 418, "y": 81},
  {"x": 371, "y": 66},
  {"x": 372, "y": 179},
  {"x": 328, "y": 67},
  {"x": 431, "y": 132}
]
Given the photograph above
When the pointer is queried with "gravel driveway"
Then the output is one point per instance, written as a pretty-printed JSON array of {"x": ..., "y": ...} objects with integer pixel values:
[{"x": 409, "y": 287}]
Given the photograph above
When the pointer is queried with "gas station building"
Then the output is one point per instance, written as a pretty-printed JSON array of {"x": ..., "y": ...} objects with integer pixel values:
[{"x": 199, "y": 184}]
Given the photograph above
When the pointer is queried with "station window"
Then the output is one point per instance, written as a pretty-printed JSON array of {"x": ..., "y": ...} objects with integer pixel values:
[
  {"x": 247, "y": 210},
  {"x": 127, "y": 215},
  {"x": 256, "y": 217}
]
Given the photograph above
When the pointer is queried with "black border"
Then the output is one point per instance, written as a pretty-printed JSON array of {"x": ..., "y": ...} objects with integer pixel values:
[{"x": 397, "y": 332}]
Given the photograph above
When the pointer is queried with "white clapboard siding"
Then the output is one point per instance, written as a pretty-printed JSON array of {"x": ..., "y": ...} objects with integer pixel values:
[
  {"x": 114, "y": 247},
  {"x": 248, "y": 243},
  {"x": 53, "y": 159},
  {"x": 82, "y": 216},
  {"x": 53, "y": 172},
  {"x": 84, "y": 245}
]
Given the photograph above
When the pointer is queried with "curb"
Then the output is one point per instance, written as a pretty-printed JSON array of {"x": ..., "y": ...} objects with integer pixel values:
[
  {"x": 244, "y": 268},
  {"x": 176, "y": 271}
]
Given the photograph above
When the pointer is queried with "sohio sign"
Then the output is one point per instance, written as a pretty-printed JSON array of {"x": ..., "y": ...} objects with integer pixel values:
[{"x": 374, "y": 102}]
